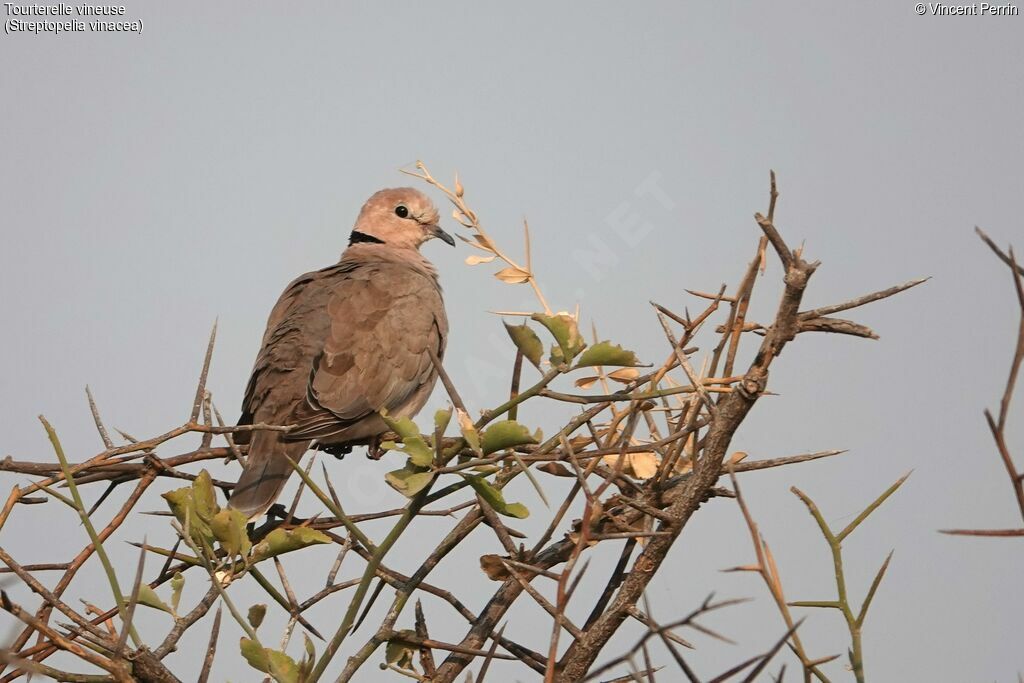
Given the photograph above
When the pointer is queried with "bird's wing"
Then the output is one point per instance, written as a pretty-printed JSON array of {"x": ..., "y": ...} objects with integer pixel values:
[
  {"x": 382, "y": 318},
  {"x": 294, "y": 336}
]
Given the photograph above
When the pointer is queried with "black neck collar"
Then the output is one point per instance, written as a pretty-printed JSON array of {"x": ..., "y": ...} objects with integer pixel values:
[{"x": 361, "y": 237}]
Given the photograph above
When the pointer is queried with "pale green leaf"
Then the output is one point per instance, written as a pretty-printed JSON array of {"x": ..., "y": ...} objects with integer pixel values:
[
  {"x": 228, "y": 527},
  {"x": 556, "y": 357},
  {"x": 205, "y": 497},
  {"x": 280, "y": 666},
  {"x": 441, "y": 419},
  {"x": 254, "y": 654},
  {"x": 280, "y": 541},
  {"x": 183, "y": 506},
  {"x": 493, "y": 497},
  {"x": 407, "y": 481},
  {"x": 563, "y": 328},
  {"x": 400, "y": 652},
  {"x": 256, "y": 614},
  {"x": 308, "y": 659},
  {"x": 178, "y": 500},
  {"x": 413, "y": 443},
  {"x": 505, "y": 434},
  {"x": 177, "y": 583},
  {"x": 310, "y": 650},
  {"x": 527, "y": 341},
  {"x": 420, "y": 453},
  {"x": 402, "y": 426},
  {"x": 606, "y": 353},
  {"x": 149, "y": 598}
]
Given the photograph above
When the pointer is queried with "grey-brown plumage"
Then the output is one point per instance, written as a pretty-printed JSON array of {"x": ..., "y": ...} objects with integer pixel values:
[{"x": 344, "y": 343}]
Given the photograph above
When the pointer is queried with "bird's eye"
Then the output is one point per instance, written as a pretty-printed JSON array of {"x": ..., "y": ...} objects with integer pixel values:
[{"x": 401, "y": 211}]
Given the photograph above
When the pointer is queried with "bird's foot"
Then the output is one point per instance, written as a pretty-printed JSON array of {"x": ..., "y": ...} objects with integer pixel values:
[
  {"x": 278, "y": 511},
  {"x": 373, "y": 449},
  {"x": 338, "y": 451}
]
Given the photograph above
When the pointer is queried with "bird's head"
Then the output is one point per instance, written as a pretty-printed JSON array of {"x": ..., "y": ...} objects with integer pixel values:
[{"x": 400, "y": 217}]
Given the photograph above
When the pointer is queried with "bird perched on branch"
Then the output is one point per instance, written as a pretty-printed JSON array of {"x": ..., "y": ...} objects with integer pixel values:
[{"x": 344, "y": 343}]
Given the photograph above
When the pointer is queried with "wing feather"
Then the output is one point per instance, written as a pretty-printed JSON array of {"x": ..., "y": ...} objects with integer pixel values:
[{"x": 382, "y": 317}]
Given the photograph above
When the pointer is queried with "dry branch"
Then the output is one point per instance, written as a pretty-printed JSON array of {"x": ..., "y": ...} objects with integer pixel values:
[
  {"x": 641, "y": 459},
  {"x": 997, "y": 425}
]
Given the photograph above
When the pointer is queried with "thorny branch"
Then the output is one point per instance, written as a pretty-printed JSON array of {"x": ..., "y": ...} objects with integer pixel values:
[
  {"x": 997, "y": 425},
  {"x": 639, "y": 460}
]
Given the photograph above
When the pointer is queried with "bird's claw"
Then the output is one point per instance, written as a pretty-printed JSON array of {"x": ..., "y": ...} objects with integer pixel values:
[{"x": 337, "y": 451}]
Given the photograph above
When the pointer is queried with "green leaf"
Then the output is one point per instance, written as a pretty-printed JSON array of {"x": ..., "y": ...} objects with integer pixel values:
[
  {"x": 228, "y": 527},
  {"x": 282, "y": 667},
  {"x": 441, "y": 419},
  {"x": 400, "y": 652},
  {"x": 183, "y": 505},
  {"x": 493, "y": 497},
  {"x": 419, "y": 451},
  {"x": 178, "y": 501},
  {"x": 308, "y": 659},
  {"x": 505, "y": 434},
  {"x": 527, "y": 341},
  {"x": 205, "y": 497},
  {"x": 254, "y": 654},
  {"x": 556, "y": 357},
  {"x": 407, "y": 481},
  {"x": 177, "y": 583},
  {"x": 562, "y": 327},
  {"x": 256, "y": 614},
  {"x": 149, "y": 598},
  {"x": 529, "y": 475},
  {"x": 402, "y": 426},
  {"x": 281, "y": 541},
  {"x": 195, "y": 506},
  {"x": 606, "y": 353},
  {"x": 279, "y": 665},
  {"x": 413, "y": 443}
]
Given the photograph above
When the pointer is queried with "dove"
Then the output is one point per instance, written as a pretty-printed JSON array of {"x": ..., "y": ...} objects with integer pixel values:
[{"x": 345, "y": 343}]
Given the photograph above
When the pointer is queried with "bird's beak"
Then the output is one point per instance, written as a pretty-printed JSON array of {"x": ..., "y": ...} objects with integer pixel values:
[{"x": 440, "y": 234}]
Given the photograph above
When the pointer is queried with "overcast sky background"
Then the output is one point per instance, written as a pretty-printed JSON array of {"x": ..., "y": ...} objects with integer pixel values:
[{"x": 153, "y": 183}]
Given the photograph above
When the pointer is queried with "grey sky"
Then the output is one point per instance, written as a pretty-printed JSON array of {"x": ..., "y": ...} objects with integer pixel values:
[{"x": 153, "y": 183}]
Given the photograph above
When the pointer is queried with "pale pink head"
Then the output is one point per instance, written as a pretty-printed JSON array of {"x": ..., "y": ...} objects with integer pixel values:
[{"x": 400, "y": 217}]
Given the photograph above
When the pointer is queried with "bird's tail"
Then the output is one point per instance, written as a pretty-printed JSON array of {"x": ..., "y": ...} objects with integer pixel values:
[{"x": 266, "y": 472}]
